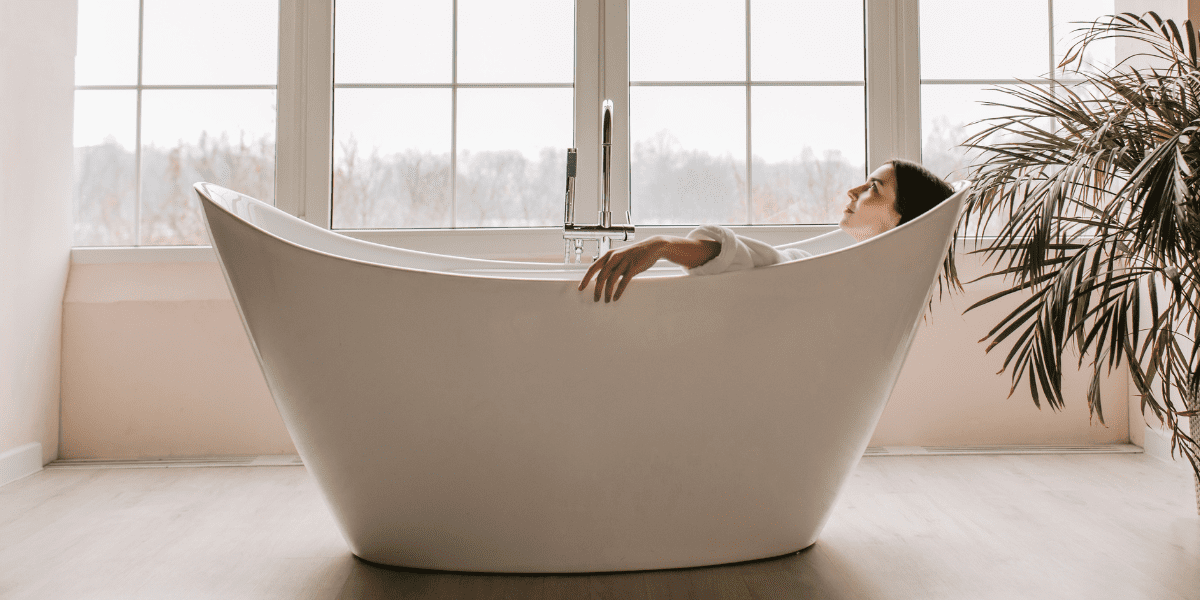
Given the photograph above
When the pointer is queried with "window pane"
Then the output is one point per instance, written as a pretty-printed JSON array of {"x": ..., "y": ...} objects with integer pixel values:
[
  {"x": 391, "y": 158},
  {"x": 216, "y": 42},
  {"x": 950, "y": 114},
  {"x": 788, "y": 36},
  {"x": 1069, "y": 17},
  {"x": 809, "y": 148},
  {"x": 947, "y": 116},
  {"x": 104, "y": 184},
  {"x": 225, "y": 137},
  {"x": 531, "y": 41},
  {"x": 512, "y": 152},
  {"x": 999, "y": 39},
  {"x": 389, "y": 41},
  {"x": 687, "y": 40},
  {"x": 689, "y": 155},
  {"x": 107, "y": 44}
]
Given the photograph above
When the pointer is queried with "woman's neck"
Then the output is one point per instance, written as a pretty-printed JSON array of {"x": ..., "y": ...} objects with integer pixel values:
[{"x": 864, "y": 232}]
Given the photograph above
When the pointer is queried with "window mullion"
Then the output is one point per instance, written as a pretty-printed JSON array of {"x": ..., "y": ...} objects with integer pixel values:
[
  {"x": 616, "y": 88},
  {"x": 893, "y": 81},
  {"x": 749, "y": 128},
  {"x": 137, "y": 133},
  {"x": 587, "y": 106},
  {"x": 304, "y": 97},
  {"x": 454, "y": 114}
]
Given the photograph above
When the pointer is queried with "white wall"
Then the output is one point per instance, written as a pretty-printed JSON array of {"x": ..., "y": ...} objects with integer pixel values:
[
  {"x": 37, "y": 78},
  {"x": 1176, "y": 10},
  {"x": 156, "y": 363}
]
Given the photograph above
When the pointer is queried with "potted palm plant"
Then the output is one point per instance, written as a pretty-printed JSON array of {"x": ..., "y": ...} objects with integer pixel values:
[{"x": 1095, "y": 189}]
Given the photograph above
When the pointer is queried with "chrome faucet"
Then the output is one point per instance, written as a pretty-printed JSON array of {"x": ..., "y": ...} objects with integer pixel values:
[{"x": 604, "y": 231}]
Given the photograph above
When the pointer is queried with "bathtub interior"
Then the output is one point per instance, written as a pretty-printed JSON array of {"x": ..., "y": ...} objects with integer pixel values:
[{"x": 302, "y": 233}]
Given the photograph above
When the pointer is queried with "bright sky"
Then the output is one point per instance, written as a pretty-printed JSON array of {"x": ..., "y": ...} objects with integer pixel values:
[
  {"x": 185, "y": 43},
  {"x": 391, "y": 41}
]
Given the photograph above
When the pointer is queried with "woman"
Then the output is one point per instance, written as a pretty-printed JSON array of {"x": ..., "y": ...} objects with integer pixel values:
[{"x": 895, "y": 193}]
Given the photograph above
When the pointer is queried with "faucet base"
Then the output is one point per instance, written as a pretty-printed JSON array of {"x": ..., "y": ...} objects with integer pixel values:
[{"x": 576, "y": 235}]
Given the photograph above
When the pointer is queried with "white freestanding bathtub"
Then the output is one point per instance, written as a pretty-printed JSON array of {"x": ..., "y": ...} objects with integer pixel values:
[{"x": 476, "y": 415}]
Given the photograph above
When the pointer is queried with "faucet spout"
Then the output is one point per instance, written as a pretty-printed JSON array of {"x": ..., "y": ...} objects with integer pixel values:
[
  {"x": 604, "y": 231},
  {"x": 606, "y": 164}
]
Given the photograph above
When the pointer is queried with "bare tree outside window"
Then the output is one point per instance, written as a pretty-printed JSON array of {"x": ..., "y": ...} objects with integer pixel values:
[
  {"x": 170, "y": 211},
  {"x": 410, "y": 187},
  {"x": 104, "y": 190},
  {"x": 155, "y": 112},
  {"x": 170, "y": 214}
]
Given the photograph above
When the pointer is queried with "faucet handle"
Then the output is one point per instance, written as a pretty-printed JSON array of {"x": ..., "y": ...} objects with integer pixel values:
[{"x": 569, "y": 199}]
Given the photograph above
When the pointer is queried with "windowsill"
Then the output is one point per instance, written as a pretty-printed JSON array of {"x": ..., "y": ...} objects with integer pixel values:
[{"x": 105, "y": 255}]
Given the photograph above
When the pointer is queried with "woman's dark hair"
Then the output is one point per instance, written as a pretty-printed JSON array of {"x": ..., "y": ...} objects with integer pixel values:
[{"x": 917, "y": 190}]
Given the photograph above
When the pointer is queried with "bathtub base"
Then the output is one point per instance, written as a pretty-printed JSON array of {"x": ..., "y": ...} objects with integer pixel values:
[{"x": 667, "y": 566}]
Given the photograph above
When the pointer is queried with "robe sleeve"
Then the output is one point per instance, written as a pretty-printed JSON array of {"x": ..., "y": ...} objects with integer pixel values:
[{"x": 739, "y": 252}]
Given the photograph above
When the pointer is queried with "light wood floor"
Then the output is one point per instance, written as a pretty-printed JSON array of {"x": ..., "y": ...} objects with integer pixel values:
[{"x": 953, "y": 527}]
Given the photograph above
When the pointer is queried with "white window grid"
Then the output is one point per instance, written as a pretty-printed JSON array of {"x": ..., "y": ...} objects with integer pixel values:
[
  {"x": 454, "y": 85},
  {"x": 138, "y": 87},
  {"x": 304, "y": 170},
  {"x": 1051, "y": 66},
  {"x": 304, "y": 95},
  {"x": 749, "y": 83}
]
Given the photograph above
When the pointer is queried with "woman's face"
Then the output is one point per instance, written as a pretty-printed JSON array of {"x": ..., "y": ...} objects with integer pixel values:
[{"x": 871, "y": 207}]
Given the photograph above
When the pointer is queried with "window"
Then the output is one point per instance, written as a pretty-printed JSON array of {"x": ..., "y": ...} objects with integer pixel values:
[
  {"x": 469, "y": 128},
  {"x": 723, "y": 89},
  {"x": 451, "y": 113},
  {"x": 960, "y": 65},
  {"x": 169, "y": 93},
  {"x": 401, "y": 115}
]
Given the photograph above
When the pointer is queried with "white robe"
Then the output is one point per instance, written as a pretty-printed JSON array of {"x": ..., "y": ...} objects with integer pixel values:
[{"x": 740, "y": 252}]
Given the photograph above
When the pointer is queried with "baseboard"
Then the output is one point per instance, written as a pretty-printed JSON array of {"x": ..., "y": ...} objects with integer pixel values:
[
  {"x": 291, "y": 460},
  {"x": 20, "y": 462},
  {"x": 1157, "y": 443},
  {"x": 267, "y": 460},
  {"x": 989, "y": 450}
]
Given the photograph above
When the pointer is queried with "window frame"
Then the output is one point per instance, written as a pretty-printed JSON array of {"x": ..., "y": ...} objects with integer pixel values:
[
  {"x": 1055, "y": 76},
  {"x": 304, "y": 141},
  {"x": 138, "y": 86}
]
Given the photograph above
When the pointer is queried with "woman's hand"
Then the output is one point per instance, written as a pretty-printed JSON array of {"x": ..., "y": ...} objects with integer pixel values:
[{"x": 623, "y": 264}]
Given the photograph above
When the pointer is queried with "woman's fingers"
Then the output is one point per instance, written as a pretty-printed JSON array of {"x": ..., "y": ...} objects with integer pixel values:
[
  {"x": 615, "y": 268},
  {"x": 629, "y": 272},
  {"x": 604, "y": 279},
  {"x": 621, "y": 287},
  {"x": 596, "y": 266},
  {"x": 611, "y": 282}
]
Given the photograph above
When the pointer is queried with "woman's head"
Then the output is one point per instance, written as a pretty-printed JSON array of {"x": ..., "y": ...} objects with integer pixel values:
[
  {"x": 895, "y": 193},
  {"x": 917, "y": 190}
]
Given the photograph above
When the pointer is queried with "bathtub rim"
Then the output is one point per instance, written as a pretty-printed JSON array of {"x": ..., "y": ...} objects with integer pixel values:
[{"x": 201, "y": 187}]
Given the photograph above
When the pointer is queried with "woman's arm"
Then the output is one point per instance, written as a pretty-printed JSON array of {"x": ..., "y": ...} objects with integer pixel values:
[{"x": 627, "y": 262}]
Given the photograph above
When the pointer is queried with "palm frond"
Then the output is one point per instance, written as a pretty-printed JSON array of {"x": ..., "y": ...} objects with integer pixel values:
[{"x": 1095, "y": 189}]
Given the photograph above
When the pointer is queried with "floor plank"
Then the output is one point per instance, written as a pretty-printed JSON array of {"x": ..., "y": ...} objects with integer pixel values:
[{"x": 929, "y": 527}]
